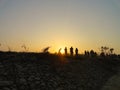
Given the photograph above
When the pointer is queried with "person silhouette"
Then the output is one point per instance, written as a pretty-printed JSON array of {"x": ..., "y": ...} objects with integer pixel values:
[
  {"x": 71, "y": 51},
  {"x": 76, "y": 51},
  {"x": 65, "y": 50}
]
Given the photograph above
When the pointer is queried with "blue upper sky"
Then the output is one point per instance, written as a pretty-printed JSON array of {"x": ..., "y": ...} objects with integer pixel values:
[{"x": 86, "y": 24}]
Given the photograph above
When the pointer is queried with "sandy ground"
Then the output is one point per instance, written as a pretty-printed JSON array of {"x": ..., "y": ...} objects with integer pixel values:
[{"x": 113, "y": 83}]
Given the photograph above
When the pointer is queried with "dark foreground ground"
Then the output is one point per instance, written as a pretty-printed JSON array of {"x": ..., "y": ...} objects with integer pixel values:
[{"x": 30, "y": 71}]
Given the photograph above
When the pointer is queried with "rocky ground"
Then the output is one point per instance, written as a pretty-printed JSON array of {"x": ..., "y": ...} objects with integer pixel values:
[{"x": 51, "y": 72}]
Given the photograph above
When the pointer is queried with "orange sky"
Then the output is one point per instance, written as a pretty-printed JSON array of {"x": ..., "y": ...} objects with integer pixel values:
[{"x": 85, "y": 24}]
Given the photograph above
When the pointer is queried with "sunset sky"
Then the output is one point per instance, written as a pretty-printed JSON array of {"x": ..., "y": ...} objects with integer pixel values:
[{"x": 85, "y": 24}]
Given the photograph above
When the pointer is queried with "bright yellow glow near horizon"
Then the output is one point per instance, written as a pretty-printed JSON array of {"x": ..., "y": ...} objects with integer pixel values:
[{"x": 62, "y": 51}]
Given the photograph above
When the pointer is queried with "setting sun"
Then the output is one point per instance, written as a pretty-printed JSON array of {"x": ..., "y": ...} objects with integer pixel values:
[{"x": 62, "y": 51}]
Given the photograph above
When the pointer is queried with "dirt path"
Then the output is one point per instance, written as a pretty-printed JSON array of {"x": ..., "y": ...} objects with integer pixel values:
[{"x": 113, "y": 83}]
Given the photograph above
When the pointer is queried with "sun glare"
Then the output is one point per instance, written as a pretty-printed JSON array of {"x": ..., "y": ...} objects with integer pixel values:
[{"x": 62, "y": 51}]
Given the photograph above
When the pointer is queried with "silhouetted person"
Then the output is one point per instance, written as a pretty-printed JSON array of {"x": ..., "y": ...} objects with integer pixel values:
[
  {"x": 102, "y": 54},
  {"x": 76, "y": 51},
  {"x": 71, "y": 51},
  {"x": 86, "y": 53},
  {"x": 65, "y": 50},
  {"x": 92, "y": 53}
]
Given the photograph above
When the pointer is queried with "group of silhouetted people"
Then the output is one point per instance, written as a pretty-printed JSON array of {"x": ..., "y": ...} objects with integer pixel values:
[{"x": 71, "y": 51}]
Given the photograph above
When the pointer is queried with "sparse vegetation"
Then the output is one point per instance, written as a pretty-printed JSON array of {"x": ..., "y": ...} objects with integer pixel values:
[
  {"x": 25, "y": 48},
  {"x": 45, "y": 50},
  {"x": 9, "y": 49},
  {"x": 106, "y": 50}
]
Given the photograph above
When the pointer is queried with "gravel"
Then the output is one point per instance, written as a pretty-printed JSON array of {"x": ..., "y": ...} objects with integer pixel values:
[{"x": 53, "y": 73}]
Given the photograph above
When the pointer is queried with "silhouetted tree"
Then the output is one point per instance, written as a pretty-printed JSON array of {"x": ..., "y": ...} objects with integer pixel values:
[
  {"x": 76, "y": 51},
  {"x": 111, "y": 50},
  {"x": 71, "y": 51},
  {"x": 65, "y": 50},
  {"x": 102, "y": 49},
  {"x": 105, "y": 49}
]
